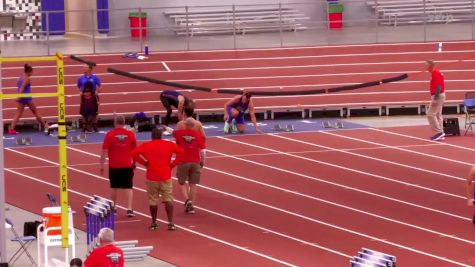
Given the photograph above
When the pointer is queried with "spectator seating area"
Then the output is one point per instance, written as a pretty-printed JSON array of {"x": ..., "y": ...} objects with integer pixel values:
[
  {"x": 200, "y": 21},
  {"x": 399, "y": 12}
]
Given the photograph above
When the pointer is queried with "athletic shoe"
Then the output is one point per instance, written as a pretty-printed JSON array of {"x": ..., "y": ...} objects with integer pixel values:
[
  {"x": 130, "y": 213},
  {"x": 234, "y": 128},
  {"x": 171, "y": 227},
  {"x": 226, "y": 127},
  {"x": 47, "y": 131},
  {"x": 438, "y": 136},
  {"x": 154, "y": 226},
  {"x": 189, "y": 207},
  {"x": 12, "y": 131},
  {"x": 167, "y": 133},
  {"x": 115, "y": 210}
]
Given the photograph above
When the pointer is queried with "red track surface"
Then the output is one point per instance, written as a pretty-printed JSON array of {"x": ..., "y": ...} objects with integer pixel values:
[
  {"x": 306, "y": 199},
  {"x": 277, "y": 69}
]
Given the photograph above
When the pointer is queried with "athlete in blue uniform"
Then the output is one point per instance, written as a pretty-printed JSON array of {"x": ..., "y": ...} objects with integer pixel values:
[
  {"x": 171, "y": 98},
  {"x": 234, "y": 109},
  {"x": 24, "y": 87},
  {"x": 89, "y": 77}
]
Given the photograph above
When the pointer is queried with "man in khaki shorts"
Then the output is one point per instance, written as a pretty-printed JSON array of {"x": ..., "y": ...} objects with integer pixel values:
[
  {"x": 437, "y": 92},
  {"x": 189, "y": 168},
  {"x": 156, "y": 155}
]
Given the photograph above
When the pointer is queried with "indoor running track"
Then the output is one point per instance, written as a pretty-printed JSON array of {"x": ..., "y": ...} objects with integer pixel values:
[{"x": 295, "y": 199}]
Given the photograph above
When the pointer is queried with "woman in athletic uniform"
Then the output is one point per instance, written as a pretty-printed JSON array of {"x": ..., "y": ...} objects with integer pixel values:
[
  {"x": 24, "y": 87},
  {"x": 234, "y": 109}
]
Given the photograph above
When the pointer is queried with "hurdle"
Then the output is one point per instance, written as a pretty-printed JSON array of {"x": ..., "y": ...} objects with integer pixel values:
[
  {"x": 372, "y": 258},
  {"x": 99, "y": 214}
]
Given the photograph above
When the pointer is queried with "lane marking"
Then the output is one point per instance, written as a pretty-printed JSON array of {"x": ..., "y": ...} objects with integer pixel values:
[
  {"x": 164, "y": 65},
  {"x": 349, "y": 169},
  {"x": 440, "y": 47},
  {"x": 181, "y": 227}
]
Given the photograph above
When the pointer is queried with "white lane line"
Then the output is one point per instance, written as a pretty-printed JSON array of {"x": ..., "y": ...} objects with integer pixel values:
[
  {"x": 271, "y": 67},
  {"x": 372, "y": 158},
  {"x": 349, "y": 169},
  {"x": 344, "y": 74},
  {"x": 165, "y": 66},
  {"x": 331, "y": 225},
  {"x": 316, "y": 151},
  {"x": 440, "y": 47},
  {"x": 403, "y": 149},
  {"x": 184, "y": 228},
  {"x": 207, "y": 210},
  {"x": 422, "y": 139},
  {"x": 254, "y": 162}
]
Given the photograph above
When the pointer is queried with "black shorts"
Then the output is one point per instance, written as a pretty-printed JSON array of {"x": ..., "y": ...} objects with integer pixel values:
[{"x": 121, "y": 178}]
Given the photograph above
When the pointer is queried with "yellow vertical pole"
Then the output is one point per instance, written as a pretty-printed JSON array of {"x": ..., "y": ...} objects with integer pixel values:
[{"x": 63, "y": 168}]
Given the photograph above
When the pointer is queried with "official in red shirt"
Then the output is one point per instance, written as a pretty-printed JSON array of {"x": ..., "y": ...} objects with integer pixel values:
[
  {"x": 437, "y": 92},
  {"x": 107, "y": 255},
  {"x": 191, "y": 162},
  {"x": 118, "y": 145},
  {"x": 156, "y": 155}
]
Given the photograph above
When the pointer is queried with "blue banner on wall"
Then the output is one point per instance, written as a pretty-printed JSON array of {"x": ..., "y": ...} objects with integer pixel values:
[
  {"x": 53, "y": 22},
  {"x": 103, "y": 16}
]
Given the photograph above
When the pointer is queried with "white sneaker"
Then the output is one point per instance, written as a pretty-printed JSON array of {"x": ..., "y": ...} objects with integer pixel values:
[
  {"x": 234, "y": 128},
  {"x": 226, "y": 127}
]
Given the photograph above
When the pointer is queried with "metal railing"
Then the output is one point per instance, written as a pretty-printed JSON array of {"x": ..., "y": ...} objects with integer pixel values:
[{"x": 363, "y": 22}]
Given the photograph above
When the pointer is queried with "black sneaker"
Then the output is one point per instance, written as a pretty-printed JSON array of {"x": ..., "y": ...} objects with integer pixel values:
[
  {"x": 188, "y": 204},
  {"x": 171, "y": 227},
  {"x": 154, "y": 226},
  {"x": 130, "y": 213},
  {"x": 191, "y": 209},
  {"x": 115, "y": 210}
]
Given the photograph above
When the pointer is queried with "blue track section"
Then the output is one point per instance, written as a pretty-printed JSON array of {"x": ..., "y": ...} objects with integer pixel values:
[{"x": 211, "y": 128}]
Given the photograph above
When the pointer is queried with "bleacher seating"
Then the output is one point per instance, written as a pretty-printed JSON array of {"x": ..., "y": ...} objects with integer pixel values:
[
  {"x": 226, "y": 21},
  {"x": 398, "y": 12}
]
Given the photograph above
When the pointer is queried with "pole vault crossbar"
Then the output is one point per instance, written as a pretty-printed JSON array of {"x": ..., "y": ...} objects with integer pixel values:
[{"x": 62, "y": 135}]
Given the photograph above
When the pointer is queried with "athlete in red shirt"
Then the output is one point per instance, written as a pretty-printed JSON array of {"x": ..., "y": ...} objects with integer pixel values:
[
  {"x": 437, "y": 92},
  {"x": 118, "y": 145},
  {"x": 156, "y": 155},
  {"x": 191, "y": 163},
  {"x": 107, "y": 255}
]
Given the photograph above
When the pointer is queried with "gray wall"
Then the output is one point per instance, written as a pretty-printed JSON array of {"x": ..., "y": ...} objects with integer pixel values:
[
  {"x": 79, "y": 17},
  {"x": 155, "y": 18}
]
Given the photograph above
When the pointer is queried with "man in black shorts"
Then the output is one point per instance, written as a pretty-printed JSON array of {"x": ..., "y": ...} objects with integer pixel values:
[{"x": 118, "y": 145}]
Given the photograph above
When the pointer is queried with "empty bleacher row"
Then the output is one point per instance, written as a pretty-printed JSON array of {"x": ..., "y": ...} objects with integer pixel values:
[
  {"x": 198, "y": 21},
  {"x": 400, "y": 12}
]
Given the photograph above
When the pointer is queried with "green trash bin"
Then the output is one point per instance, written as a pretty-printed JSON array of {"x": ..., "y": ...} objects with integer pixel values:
[{"x": 135, "y": 18}]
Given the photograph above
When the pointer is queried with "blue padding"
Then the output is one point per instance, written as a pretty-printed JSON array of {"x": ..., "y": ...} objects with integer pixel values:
[
  {"x": 103, "y": 16},
  {"x": 469, "y": 103},
  {"x": 56, "y": 21},
  {"x": 25, "y": 238}
]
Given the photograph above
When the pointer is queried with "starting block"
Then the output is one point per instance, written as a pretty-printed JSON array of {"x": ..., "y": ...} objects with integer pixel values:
[
  {"x": 371, "y": 258},
  {"x": 329, "y": 125},
  {"x": 280, "y": 128},
  {"x": 24, "y": 141},
  {"x": 79, "y": 138}
]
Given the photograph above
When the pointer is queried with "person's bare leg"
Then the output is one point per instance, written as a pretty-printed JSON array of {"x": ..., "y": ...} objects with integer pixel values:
[
  {"x": 130, "y": 197},
  {"x": 19, "y": 111},
  {"x": 241, "y": 128},
  {"x": 185, "y": 190},
  {"x": 34, "y": 110},
  {"x": 169, "y": 210},
  {"x": 114, "y": 196},
  {"x": 192, "y": 192}
]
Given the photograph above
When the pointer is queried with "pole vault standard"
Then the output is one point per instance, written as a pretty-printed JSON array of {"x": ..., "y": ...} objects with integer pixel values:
[{"x": 62, "y": 135}]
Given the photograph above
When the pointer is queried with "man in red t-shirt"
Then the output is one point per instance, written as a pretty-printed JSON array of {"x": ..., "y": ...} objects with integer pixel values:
[
  {"x": 156, "y": 155},
  {"x": 106, "y": 255},
  {"x": 191, "y": 163},
  {"x": 118, "y": 145},
  {"x": 437, "y": 92}
]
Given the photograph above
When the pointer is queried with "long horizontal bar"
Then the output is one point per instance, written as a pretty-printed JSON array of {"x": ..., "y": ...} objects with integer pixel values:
[
  {"x": 10, "y": 96},
  {"x": 23, "y": 59}
]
